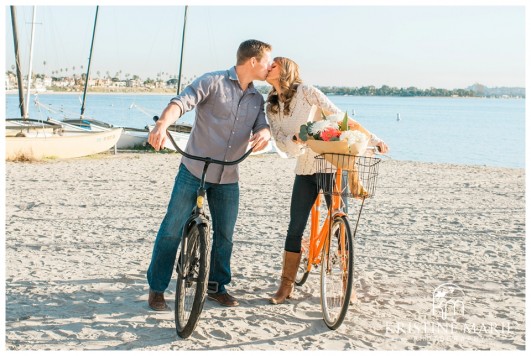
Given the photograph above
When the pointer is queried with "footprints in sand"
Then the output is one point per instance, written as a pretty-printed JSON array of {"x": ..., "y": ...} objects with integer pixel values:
[
  {"x": 28, "y": 206},
  {"x": 78, "y": 281}
]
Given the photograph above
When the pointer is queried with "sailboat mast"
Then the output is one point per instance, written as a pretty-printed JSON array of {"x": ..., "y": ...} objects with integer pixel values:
[
  {"x": 90, "y": 58},
  {"x": 17, "y": 62},
  {"x": 182, "y": 52},
  {"x": 28, "y": 96}
]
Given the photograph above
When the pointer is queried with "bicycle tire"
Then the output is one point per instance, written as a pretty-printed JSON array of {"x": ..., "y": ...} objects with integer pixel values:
[
  {"x": 303, "y": 272},
  {"x": 337, "y": 273},
  {"x": 192, "y": 281}
]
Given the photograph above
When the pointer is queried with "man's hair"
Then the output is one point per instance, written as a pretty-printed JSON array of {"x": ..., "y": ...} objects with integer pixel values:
[{"x": 251, "y": 48}]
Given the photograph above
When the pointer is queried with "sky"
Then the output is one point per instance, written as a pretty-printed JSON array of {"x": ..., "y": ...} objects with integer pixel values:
[{"x": 357, "y": 45}]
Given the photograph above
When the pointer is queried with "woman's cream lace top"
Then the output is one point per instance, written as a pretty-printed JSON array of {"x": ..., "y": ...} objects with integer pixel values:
[{"x": 284, "y": 127}]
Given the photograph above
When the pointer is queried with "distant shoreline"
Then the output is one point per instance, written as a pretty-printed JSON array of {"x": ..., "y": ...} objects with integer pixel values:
[{"x": 51, "y": 92}]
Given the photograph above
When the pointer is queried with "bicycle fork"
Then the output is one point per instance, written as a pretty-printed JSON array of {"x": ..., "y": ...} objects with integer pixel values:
[{"x": 198, "y": 217}]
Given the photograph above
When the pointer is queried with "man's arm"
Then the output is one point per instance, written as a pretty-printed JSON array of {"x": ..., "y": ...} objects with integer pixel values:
[
  {"x": 193, "y": 94},
  {"x": 157, "y": 137}
]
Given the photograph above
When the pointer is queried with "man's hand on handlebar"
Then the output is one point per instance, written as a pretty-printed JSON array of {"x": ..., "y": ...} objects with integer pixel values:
[
  {"x": 157, "y": 136},
  {"x": 260, "y": 139}
]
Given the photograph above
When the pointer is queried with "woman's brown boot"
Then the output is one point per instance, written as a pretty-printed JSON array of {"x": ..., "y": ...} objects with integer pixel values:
[{"x": 289, "y": 271}]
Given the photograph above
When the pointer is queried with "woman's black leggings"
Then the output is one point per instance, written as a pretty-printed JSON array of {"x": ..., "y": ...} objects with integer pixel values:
[{"x": 302, "y": 198}]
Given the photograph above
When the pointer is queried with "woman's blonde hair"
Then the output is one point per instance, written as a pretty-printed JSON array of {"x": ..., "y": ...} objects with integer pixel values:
[{"x": 289, "y": 81}]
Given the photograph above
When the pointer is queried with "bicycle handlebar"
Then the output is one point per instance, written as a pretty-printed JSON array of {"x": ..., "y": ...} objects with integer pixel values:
[{"x": 204, "y": 159}]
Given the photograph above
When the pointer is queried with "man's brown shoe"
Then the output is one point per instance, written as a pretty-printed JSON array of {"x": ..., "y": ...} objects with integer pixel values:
[
  {"x": 224, "y": 299},
  {"x": 156, "y": 301}
]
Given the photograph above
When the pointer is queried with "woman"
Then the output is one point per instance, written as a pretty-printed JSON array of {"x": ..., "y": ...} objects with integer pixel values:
[{"x": 288, "y": 105}]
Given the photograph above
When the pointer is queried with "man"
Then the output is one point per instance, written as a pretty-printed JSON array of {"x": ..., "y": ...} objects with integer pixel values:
[{"x": 228, "y": 110}]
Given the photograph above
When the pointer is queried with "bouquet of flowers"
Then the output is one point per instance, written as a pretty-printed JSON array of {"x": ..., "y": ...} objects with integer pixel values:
[{"x": 333, "y": 134}]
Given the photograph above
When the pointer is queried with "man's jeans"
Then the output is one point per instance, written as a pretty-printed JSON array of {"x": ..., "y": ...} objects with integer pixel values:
[{"x": 223, "y": 201}]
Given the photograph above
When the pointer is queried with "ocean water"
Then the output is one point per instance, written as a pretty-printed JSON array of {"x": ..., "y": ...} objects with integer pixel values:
[{"x": 477, "y": 131}]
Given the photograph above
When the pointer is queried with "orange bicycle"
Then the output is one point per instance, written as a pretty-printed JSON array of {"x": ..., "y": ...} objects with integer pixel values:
[{"x": 331, "y": 241}]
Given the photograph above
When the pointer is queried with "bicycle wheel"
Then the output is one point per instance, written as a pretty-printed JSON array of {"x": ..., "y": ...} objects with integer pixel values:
[
  {"x": 337, "y": 266},
  {"x": 303, "y": 271},
  {"x": 192, "y": 281}
]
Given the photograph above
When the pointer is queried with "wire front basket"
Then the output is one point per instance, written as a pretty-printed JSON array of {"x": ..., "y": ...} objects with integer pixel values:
[{"x": 358, "y": 178}]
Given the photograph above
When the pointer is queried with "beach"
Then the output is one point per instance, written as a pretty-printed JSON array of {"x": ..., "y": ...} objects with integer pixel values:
[{"x": 79, "y": 235}]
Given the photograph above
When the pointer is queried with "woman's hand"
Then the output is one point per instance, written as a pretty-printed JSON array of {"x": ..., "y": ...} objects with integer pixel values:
[
  {"x": 297, "y": 139},
  {"x": 383, "y": 148}
]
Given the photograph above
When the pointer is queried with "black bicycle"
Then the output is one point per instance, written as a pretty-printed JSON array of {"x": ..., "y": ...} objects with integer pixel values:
[{"x": 194, "y": 253}]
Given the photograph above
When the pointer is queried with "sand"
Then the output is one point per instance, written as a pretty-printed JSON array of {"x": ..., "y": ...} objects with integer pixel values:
[{"x": 79, "y": 235}]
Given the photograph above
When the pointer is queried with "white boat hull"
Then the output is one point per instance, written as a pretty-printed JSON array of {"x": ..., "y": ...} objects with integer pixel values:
[
  {"x": 131, "y": 139},
  {"x": 60, "y": 147}
]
